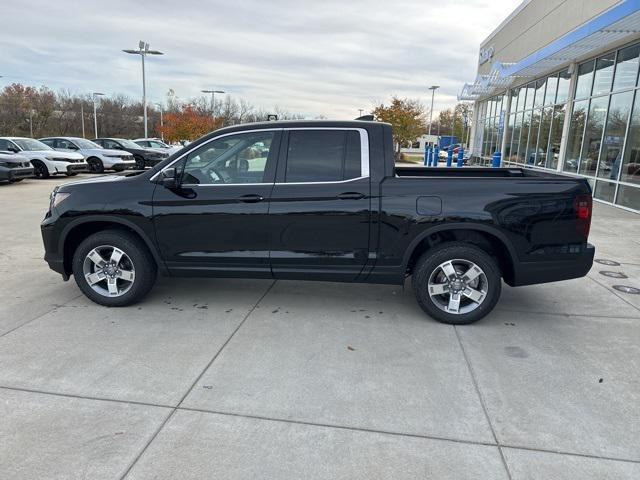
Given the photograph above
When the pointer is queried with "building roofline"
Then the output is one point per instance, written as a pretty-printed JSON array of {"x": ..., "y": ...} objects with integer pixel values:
[{"x": 511, "y": 16}]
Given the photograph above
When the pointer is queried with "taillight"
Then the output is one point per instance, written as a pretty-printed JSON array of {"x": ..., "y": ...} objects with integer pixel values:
[{"x": 583, "y": 206}]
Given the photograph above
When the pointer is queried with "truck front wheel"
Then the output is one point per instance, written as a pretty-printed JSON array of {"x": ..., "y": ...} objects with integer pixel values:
[
  {"x": 456, "y": 283},
  {"x": 114, "y": 268}
]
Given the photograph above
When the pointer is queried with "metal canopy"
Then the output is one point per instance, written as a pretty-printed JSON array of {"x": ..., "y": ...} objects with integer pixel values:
[{"x": 614, "y": 25}]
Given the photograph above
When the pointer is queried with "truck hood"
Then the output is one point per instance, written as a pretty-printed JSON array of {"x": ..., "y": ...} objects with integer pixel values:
[{"x": 93, "y": 180}]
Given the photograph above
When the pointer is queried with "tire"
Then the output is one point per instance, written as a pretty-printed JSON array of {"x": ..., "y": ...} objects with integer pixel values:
[
  {"x": 40, "y": 170},
  {"x": 95, "y": 165},
  {"x": 139, "y": 162},
  {"x": 429, "y": 278},
  {"x": 136, "y": 262}
]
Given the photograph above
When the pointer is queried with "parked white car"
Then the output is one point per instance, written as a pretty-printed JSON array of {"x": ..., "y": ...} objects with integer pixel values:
[
  {"x": 99, "y": 159},
  {"x": 45, "y": 160},
  {"x": 157, "y": 144}
]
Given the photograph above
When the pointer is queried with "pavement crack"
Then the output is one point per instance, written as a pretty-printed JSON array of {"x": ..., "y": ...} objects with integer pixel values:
[
  {"x": 55, "y": 307},
  {"x": 482, "y": 402},
  {"x": 195, "y": 382}
]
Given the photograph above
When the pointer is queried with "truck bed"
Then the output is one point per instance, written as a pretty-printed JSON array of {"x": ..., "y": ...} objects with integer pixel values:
[{"x": 467, "y": 172}]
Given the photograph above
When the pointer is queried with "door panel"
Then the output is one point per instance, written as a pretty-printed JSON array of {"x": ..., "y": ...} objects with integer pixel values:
[
  {"x": 321, "y": 227},
  {"x": 216, "y": 223}
]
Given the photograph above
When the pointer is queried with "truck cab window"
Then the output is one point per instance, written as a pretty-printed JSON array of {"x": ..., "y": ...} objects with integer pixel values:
[
  {"x": 233, "y": 159},
  {"x": 323, "y": 156}
]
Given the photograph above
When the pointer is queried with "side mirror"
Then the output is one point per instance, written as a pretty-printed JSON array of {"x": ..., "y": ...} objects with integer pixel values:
[
  {"x": 168, "y": 178},
  {"x": 11, "y": 148}
]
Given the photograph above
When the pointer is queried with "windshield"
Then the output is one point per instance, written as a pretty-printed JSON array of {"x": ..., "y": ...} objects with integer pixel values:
[
  {"x": 82, "y": 143},
  {"x": 158, "y": 144},
  {"x": 29, "y": 144},
  {"x": 128, "y": 143}
]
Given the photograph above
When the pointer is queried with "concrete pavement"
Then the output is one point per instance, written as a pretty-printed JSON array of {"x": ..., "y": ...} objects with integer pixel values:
[{"x": 248, "y": 379}]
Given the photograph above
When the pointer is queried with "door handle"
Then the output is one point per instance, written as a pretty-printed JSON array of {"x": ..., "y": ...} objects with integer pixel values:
[
  {"x": 251, "y": 198},
  {"x": 351, "y": 196}
]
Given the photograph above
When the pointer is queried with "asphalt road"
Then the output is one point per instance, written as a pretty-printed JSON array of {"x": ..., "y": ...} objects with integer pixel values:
[{"x": 240, "y": 379}]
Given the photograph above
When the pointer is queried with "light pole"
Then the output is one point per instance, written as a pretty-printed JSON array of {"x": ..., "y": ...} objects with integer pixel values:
[
  {"x": 82, "y": 117},
  {"x": 433, "y": 89},
  {"x": 360, "y": 110},
  {"x": 95, "y": 115},
  {"x": 213, "y": 100},
  {"x": 143, "y": 51},
  {"x": 31, "y": 122},
  {"x": 161, "y": 122}
]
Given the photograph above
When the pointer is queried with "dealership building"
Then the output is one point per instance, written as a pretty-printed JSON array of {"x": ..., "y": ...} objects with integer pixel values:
[{"x": 557, "y": 89}]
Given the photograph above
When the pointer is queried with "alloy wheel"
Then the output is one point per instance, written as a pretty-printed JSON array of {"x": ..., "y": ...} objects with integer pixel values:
[
  {"x": 458, "y": 286},
  {"x": 108, "y": 271}
]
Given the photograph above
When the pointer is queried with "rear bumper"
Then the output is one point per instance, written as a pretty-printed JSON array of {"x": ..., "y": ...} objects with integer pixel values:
[
  {"x": 15, "y": 173},
  {"x": 529, "y": 273}
]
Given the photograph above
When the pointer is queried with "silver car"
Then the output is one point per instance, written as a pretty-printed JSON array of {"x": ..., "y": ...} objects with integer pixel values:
[{"x": 98, "y": 158}]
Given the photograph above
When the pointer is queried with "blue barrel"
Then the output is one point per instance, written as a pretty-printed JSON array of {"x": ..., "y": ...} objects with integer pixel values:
[
  {"x": 497, "y": 158},
  {"x": 436, "y": 156},
  {"x": 460, "y": 156},
  {"x": 450, "y": 155},
  {"x": 426, "y": 155}
]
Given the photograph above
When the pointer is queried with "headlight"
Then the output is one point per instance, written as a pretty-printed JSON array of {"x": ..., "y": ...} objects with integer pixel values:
[{"x": 57, "y": 198}]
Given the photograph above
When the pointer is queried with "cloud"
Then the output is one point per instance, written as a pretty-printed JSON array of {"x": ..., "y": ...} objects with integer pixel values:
[{"x": 330, "y": 57}]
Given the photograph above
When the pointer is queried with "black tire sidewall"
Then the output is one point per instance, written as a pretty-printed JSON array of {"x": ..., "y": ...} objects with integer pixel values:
[
  {"x": 431, "y": 259},
  {"x": 145, "y": 268},
  {"x": 40, "y": 169},
  {"x": 95, "y": 165},
  {"x": 140, "y": 163}
]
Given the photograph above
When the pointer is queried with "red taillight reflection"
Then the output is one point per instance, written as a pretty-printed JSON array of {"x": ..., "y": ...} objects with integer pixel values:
[{"x": 583, "y": 205}]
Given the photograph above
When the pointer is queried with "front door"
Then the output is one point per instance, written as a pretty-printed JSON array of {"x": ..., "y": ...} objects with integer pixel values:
[
  {"x": 215, "y": 223},
  {"x": 321, "y": 204}
]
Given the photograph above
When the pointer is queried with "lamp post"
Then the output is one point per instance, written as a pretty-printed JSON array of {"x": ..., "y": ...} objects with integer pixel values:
[
  {"x": 161, "y": 122},
  {"x": 82, "y": 117},
  {"x": 213, "y": 100},
  {"x": 143, "y": 51},
  {"x": 433, "y": 89},
  {"x": 360, "y": 110},
  {"x": 94, "y": 95}
]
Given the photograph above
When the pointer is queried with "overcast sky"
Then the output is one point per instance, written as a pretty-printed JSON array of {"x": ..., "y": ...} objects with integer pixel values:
[{"x": 327, "y": 57}]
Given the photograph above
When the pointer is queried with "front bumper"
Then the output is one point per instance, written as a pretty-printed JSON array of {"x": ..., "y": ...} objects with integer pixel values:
[
  {"x": 52, "y": 254},
  {"x": 117, "y": 163},
  {"x": 530, "y": 273},
  {"x": 15, "y": 173},
  {"x": 77, "y": 167}
]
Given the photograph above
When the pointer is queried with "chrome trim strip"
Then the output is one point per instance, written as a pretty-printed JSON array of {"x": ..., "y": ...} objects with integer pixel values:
[{"x": 364, "y": 157}]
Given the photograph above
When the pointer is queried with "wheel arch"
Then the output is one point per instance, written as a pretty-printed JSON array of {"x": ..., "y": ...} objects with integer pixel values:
[
  {"x": 481, "y": 236},
  {"x": 74, "y": 233}
]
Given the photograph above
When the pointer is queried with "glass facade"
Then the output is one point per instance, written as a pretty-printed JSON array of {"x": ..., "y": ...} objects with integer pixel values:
[{"x": 602, "y": 140}]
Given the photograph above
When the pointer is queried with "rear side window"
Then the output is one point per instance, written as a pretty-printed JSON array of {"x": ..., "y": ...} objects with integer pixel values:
[{"x": 323, "y": 155}]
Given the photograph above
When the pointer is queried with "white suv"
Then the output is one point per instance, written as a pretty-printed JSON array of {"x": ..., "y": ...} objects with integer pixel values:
[
  {"x": 98, "y": 158},
  {"x": 45, "y": 160}
]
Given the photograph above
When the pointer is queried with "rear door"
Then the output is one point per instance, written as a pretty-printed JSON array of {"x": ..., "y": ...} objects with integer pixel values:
[{"x": 321, "y": 205}]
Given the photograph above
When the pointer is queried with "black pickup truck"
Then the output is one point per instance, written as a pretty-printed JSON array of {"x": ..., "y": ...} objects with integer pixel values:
[{"x": 320, "y": 200}]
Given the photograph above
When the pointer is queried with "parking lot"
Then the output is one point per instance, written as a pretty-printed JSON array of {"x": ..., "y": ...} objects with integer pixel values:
[{"x": 218, "y": 378}]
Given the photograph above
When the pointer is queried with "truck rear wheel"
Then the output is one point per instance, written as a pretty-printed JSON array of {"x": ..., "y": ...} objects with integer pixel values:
[
  {"x": 457, "y": 283},
  {"x": 114, "y": 268}
]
